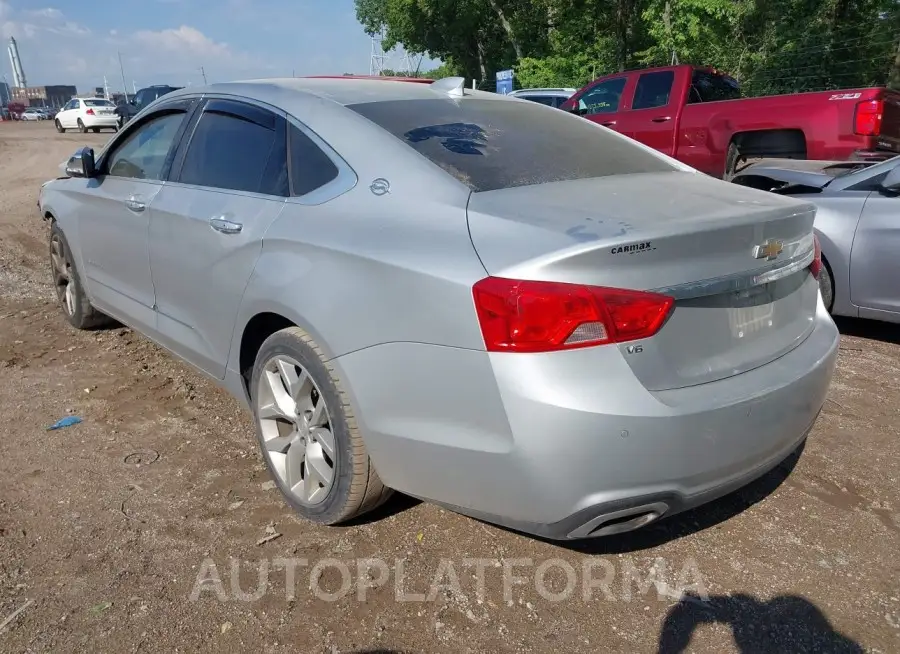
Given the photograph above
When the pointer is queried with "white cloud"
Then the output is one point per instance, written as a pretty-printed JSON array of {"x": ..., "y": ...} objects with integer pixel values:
[{"x": 57, "y": 50}]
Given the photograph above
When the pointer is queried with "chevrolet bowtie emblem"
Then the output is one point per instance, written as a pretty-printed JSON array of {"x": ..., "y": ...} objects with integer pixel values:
[{"x": 768, "y": 250}]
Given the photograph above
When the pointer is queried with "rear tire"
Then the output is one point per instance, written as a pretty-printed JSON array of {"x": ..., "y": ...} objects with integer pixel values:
[
  {"x": 60, "y": 128},
  {"x": 826, "y": 286},
  {"x": 69, "y": 292},
  {"x": 95, "y": 130},
  {"x": 732, "y": 159},
  {"x": 308, "y": 433},
  {"x": 82, "y": 127}
]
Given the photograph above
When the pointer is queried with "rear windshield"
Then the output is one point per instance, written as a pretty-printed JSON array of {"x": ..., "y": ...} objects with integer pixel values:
[
  {"x": 99, "y": 103},
  {"x": 493, "y": 144}
]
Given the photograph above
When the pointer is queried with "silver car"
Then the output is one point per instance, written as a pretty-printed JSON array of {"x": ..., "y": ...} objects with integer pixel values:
[
  {"x": 476, "y": 300},
  {"x": 550, "y": 97},
  {"x": 856, "y": 223}
]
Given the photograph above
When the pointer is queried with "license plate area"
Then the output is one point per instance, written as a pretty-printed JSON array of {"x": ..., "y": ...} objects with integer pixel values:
[{"x": 751, "y": 311}]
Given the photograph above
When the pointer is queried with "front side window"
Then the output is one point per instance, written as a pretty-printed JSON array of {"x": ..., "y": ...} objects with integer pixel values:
[
  {"x": 142, "y": 155},
  {"x": 492, "y": 144},
  {"x": 604, "y": 98},
  {"x": 230, "y": 151},
  {"x": 653, "y": 90}
]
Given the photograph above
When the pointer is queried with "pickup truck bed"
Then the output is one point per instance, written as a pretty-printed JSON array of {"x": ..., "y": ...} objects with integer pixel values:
[{"x": 697, "y": 116}]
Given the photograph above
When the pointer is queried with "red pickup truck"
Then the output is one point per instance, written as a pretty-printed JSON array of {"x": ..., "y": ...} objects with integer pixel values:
[{"x": 698, "y": 116}]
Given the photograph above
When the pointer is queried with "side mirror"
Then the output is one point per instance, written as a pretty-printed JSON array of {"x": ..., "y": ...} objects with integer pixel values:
[
  {"x": 891, "y": 182},
  {"x": 81, "y": 164}
]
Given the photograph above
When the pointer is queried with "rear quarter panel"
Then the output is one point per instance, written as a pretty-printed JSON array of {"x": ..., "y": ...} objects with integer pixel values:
[{"x": 361, "y": 269}]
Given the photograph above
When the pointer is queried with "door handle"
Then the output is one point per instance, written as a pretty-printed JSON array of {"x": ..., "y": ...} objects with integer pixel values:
[
  {"x": 661, "y": 119},
  {"x": 609, "y": 123},
  {"x": 225, "y": 226},
  {"x": 135, "y": 204}
]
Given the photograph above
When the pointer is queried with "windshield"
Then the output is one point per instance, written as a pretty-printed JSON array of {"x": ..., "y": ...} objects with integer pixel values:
[
  {"x": 496, "y": 144},
  {"x": 98, "y": 103}
]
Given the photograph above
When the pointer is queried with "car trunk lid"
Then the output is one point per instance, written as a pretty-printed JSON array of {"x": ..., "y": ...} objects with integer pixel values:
[{"x": 733, "y": 258}]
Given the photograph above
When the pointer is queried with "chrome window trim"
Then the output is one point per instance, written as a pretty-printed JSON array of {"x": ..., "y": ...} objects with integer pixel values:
[
  {"x": 346, "y": 178},
  {"x": 739, "y": 281}
]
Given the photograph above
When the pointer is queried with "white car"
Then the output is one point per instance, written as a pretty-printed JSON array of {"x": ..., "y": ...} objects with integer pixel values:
[
  {"x": 33, "y": 113},
  {"x": 87, "y": 114}
]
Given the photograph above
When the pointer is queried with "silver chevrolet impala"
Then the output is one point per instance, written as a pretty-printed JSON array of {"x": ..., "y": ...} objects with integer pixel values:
[{"x": 477, "y": 300}]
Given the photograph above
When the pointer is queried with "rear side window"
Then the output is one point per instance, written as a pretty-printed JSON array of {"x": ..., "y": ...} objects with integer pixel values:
[
  {"x": 234, "y": 152},
  {"x": 310, "y": 167},
  {"x": 540, "y": 99},
  {"x": 494, "y": 144},
  {"x": 709, "y": 87},
  {"x": 653, "y": 90}
]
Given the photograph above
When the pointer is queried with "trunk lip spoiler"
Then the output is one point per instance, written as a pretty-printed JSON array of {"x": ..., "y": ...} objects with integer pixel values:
[{"x": 742, "y": 281}]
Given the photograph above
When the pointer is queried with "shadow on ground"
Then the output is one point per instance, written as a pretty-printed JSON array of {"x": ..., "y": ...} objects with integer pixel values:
[
  {"x": 872, "y": 329},
  {"x": 786, "y": 623}
]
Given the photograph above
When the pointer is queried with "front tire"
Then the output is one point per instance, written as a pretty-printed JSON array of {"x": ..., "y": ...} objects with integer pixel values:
[
  {"x": 60, "y": 128},
  {"x": 69, "y": 290},
  {"x": 308, "y": 434}
]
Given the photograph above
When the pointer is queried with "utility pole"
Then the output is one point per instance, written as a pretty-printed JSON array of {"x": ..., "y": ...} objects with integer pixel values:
[
  {"x": 124, "y": 83},
  {"x": 203, "y": 72}
]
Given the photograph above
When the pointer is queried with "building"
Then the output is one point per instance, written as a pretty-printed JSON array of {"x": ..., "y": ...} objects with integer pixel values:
[
  {"x": 44, "y": 96},
  {"x": 5, "y": 95}
]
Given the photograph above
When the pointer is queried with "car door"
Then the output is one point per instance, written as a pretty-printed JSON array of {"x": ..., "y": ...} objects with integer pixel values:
[
  {"x": 229, "y": 183},
  {"x": 602, "y": 102},
  {"x": 72, "y": 114},
  {"x": 652, "y": 117},
  {"x": 115, "y": 215},
  {"x": 62, "y": 115},
  {"x": 874, "y": 260}
]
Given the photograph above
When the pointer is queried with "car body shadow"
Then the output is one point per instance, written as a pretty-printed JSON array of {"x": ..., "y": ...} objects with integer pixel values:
[
  {"x": 787, "y": 623},
  {"x": 875, "y": 330}
]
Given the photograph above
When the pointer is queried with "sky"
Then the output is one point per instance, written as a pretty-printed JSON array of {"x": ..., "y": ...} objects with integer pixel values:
[{"x": 168, "y": 41}]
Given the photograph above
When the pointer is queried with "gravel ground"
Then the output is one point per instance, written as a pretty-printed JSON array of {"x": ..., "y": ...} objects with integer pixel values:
[{"x": 107, "y": 527}]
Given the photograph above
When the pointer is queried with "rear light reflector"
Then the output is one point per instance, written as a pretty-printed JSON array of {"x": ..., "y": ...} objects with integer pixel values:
[
  {"x": 533, "y": 316},
  {"x": 867, "y": 120},
  {"x": 89, "y": 112},
  {"x": 816, "y": 266}
]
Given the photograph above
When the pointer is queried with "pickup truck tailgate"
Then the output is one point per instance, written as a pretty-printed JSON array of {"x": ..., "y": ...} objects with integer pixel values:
[{"x": 889, "y": 137}]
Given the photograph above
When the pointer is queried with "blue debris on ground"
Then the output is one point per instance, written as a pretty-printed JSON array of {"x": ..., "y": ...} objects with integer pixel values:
[{"x": 68, "y": 421}]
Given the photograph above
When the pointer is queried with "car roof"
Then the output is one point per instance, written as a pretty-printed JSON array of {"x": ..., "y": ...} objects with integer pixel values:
[
  {"x": 282, "y": 92},
  {"x": 554, "y": 91}
]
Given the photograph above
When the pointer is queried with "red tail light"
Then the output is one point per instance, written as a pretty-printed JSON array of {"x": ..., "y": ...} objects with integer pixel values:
[
  {"x": 89, "y": 112},
  {"x": 529, "y": 316},
  {"x": 867, "y": 121},
  {"x": 816, "y": 266}
]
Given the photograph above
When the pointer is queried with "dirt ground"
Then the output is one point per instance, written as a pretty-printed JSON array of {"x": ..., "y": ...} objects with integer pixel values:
[{"x": 106, "y": 526}]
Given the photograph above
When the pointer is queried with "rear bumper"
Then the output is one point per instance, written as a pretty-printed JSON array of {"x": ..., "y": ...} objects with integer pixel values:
[
  {"x": 557, "y": 444},
  {"x": 100, "y": 121},
  {"x": 872, "y": 155}
]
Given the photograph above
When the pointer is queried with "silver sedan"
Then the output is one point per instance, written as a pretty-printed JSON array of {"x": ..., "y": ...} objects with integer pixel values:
[
  {"x": 476, "y": 300},
  {"x": 857, "y": 225}
]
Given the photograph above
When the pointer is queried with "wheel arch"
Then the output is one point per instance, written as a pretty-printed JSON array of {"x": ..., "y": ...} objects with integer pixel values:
[
  {"x": 260, "y": 323},
  {"x": 788, "y": 143}
]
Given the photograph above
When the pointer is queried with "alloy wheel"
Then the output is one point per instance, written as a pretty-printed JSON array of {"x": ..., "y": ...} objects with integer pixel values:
[
  {"x": 296, "y": 430},
  {"x": 62, "y": 275}
]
